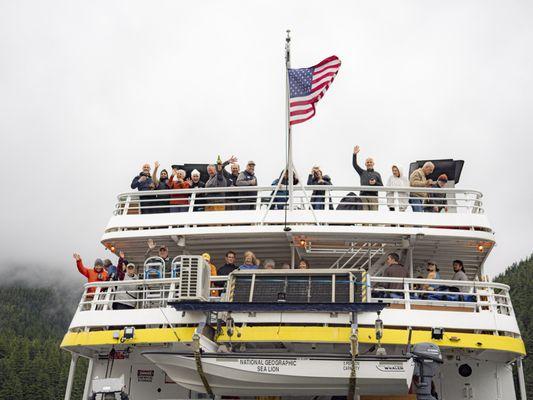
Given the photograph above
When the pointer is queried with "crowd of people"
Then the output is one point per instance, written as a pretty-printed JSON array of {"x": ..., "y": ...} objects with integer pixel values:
[
  {"x": 104, "y": 270},
  {"x": 424, "y": 292},
  {"x": 219, "y": 177}
]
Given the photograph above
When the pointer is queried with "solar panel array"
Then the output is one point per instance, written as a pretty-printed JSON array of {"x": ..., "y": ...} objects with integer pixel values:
[{"x": 297, "y": 288}]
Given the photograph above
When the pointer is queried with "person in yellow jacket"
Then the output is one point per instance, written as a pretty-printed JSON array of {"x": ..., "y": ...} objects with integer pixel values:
[{"x": 207, "y": 257}]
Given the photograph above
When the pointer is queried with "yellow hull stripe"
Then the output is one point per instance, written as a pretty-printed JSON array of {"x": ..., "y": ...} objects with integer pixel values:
[
  {"x": 307, "y": 334},
  {"x": 319, "y": 334},
  {"x": 142, "y": 336}
]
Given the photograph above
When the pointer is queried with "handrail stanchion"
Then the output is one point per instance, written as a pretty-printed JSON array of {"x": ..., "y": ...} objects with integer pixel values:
[
  {"x": 96, "y": 297},
  {"x": 406, "y": 295},
  {"x": 192, "y": 200},
  {"x": 126, "y": 206}
]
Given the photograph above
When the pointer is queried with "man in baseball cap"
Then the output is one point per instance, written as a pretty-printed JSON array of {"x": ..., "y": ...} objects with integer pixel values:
[{"x": 247, "y": 178}]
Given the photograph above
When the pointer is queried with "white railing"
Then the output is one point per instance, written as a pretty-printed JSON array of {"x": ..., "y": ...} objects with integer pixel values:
[
  {"x": 139, "y": 293},
  {"x": 316, "y": 198},
  {"x": 426, "y": 294},
  {"x": 442, "y": 294}
]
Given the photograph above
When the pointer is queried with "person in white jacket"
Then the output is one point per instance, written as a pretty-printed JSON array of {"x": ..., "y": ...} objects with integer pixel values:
[
  {"x": 397, "y": 200},
  {"x": 127, "y": 296}
]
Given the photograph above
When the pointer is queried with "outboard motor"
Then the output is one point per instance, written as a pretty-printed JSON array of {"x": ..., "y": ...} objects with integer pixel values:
[{"x": 428, "y": 361}]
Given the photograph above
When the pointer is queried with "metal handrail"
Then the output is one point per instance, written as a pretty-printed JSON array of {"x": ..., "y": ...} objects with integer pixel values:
[
  {"x": 265, "y": 196},
  {"x": 161, "y": 291},
  {"x": 482, "y": 296},
  {"x": 444, "y": 282},
  {"x": 307, "y": 187},
  {"x": 490, "y": 296}
]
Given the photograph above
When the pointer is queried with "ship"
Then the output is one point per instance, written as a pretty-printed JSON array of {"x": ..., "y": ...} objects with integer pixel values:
[{"x": 338, "y": 328}]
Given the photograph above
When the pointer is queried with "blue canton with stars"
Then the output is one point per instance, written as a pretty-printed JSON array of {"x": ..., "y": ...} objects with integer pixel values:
[{"x": 300, "y": 82}]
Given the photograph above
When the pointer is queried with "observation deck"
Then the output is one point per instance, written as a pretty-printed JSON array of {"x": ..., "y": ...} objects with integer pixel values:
[
  {"x": 480, "y": 317},
  {"x": 329, "y": 230}
]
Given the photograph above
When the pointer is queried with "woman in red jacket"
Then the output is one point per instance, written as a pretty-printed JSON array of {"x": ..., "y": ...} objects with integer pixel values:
[
  {"x": 96, "y": 274},
  {"x": 178, "y": 202}
]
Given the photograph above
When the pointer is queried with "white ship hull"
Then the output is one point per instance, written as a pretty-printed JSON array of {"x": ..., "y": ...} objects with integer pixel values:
[{"x": 282, "y": 375}]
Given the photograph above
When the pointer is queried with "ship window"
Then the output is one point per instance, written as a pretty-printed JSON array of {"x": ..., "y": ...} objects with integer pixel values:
[{"x": 465, "y": 370}]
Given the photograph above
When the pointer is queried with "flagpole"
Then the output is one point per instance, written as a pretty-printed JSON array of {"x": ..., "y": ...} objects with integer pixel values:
[{"x": 289, "y": 167}]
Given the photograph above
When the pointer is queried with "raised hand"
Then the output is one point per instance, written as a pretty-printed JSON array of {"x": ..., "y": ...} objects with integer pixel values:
[
  {"x": 151, "y": 244},
  {"x": 76, "y": 256},
  {"x": 121, "y": 254},
  {"x": 356, "y": 149},
  {"x": 156, "y": 164},
  {"x": 232, "y": 159}
]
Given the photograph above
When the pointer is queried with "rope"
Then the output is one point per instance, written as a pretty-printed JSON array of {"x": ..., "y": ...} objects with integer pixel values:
[
  {"x": 353, "y": 376},
  {"x": 199, "y": 367}
]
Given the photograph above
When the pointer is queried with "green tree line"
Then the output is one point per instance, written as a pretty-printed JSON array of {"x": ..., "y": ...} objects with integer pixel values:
[
  {"x": 519, "y": 277},
  {"x": 32, "y": 324}
]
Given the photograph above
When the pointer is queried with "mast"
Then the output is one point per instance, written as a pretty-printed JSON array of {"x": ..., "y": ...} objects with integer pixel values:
[{"x": 289, "y": 168}]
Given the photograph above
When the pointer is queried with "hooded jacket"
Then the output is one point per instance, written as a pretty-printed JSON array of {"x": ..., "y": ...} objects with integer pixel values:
[
  {"x": 400, "y": 181},
  {"x": 91, "y": 274},
  {"x": 129, "y": 294}
]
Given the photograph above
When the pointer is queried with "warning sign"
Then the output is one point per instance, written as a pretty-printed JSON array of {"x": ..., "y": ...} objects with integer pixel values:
[{"x": 145, "y": 375}]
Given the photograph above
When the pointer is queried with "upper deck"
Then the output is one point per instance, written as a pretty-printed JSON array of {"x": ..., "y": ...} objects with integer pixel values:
[{"x": 328, "y": 229}]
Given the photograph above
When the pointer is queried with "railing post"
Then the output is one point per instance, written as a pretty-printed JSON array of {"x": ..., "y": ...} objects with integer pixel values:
[
  {"x": 192, "y": 201},
  {"x": 406, "y": 296},
  {"x": 82, "y": 300},
  {"x": 96, "y": 297},
  {"x": 127, "y": 206},
  {"x": 368, "y": 289}
]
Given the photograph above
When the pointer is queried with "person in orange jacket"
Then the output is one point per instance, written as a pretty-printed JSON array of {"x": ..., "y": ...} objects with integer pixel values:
[{"x": 96, "y": 274}]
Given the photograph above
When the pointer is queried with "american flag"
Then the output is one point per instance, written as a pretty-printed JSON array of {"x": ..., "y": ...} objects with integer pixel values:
[{"x": 307, "y": 86}]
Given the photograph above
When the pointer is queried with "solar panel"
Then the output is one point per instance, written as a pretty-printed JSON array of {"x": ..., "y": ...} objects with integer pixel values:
[{"x": 297, "y": 287}]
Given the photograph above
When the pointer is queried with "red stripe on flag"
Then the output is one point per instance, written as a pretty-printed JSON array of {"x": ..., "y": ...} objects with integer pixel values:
[
  {"x": 320, "y": 70},
  {"x": 323, "y": 84},
  {"x": 323, "y": 76},
  {"x": 304, "y": 102},
  {"x": 326, "y": 60},
  {"x": 299, "y": 121},
  {"x": 300, "y": 112}
]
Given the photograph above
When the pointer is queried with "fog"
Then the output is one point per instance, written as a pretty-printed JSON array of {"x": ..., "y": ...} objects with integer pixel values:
[{"x": 89, "y": 91}]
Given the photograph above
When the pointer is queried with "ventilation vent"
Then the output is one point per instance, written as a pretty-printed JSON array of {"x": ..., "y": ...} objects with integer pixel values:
[{"x": 194, "y": 278}]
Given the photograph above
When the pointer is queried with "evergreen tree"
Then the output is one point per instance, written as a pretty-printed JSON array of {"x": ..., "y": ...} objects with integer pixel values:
[
  {"x": 32, "y": 366},
  {"x": 519, "y": 277}
]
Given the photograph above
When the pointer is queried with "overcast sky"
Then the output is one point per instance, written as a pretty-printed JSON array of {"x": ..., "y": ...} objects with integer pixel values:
[{"x": 90, "y": 90}]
